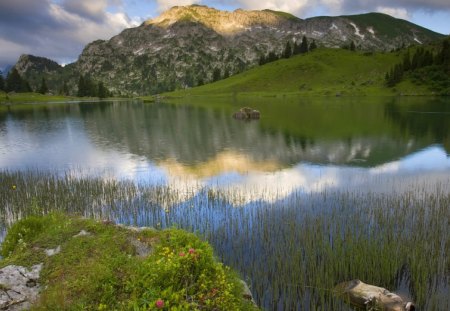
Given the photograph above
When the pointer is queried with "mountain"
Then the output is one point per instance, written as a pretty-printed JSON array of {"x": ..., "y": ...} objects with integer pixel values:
[{"x": 191, "y": 45}]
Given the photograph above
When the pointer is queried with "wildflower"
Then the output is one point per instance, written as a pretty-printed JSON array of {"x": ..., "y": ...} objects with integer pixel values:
[
  {"x": 191, "y": 251},
  {"x": 14, "y": 187},
  {"x": 159, "y": 304},
  {"x": 181, "y": 254}
]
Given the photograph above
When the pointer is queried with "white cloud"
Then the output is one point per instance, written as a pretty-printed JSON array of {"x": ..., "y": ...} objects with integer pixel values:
[
  {"x": 167, "y": 4},
  {"x": 396, "y": 12},
  {"x": 292, "y": 6},
  {"x": 57, "y": 30}
]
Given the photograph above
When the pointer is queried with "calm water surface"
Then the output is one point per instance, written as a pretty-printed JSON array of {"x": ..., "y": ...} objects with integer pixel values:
[
  {"x": 298, "y": 144},
  {"x": 300, "y": 148}
]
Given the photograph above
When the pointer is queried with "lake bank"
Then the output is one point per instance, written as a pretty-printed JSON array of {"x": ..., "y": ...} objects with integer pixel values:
[{"x": 84, "y": 264}]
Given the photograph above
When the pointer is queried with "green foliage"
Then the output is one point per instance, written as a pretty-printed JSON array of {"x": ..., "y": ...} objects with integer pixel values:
[
  {"x": 304, "y": 45},
  {"x": 43, "y": 89},
  {"x": 64, "y": 90},
  {"x": 424, "y": 69},
  {"x": 15, "y": 82},
  {"x": 2, "y": 81},
  {"x": 88, "y": 87},
  {"x": 216, "y": 75},
  {"x": 287, "y": 50},
  {"x": 182, "y": 274},
  {"x": 22, "y": 233}
]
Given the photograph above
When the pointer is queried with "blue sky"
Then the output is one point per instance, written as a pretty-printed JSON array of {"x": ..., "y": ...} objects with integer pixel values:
[{"x": 59, "y": 29}]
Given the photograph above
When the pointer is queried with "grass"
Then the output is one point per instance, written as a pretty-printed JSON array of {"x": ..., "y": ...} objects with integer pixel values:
[
  {"x": 388, "y": 26},
  {"x": 101, "y": 271},
  {"x": 24, "y": 98},
  {"x": 322, "y": 72},
  {"x": 292, "y": 251}
]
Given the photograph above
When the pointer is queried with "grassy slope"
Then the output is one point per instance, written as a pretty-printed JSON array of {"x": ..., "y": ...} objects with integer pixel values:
[
  {"x": 388, "y": 25},
  {"x": 32, "y": 98},
  {"x": 321, "y": 72}
]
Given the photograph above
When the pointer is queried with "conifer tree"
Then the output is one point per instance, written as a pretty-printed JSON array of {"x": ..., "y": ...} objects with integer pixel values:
[
  {"x": 2, "y": 81},
  {"x": 296, "y": 48},
  {"x": 287, "y": 50},
  {"x": 352, "y": 46},
  {"x": 313, "y": 45},
  {"x": 102, "y": 91},
  {"x": 406, "y": 62},
  {"x": 64, "y": 89},
  {"x": 304, "y": 45},
  {"x": 81, "y": 87},
  {"x": 216, "y": 74},
  {"x": 226, "y": 73},
  {"x": 15, "y": 83},
  {"x": 43, "y": 88}
]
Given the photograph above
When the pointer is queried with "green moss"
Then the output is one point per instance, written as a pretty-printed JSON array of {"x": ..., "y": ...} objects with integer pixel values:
[{"x": 100, "y": 271}]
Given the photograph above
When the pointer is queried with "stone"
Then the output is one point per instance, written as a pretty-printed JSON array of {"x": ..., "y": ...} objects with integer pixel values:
[
  {"x": 82, "y": 233},
  {"x": 19, "y": 287},
  {"x": 247, "y": 113},
  {"x": 372, "y": 297},
  {"x": 52, "y": 251},
  {"x": 246, "y": 293},
  {"x": 142, "y": 249}
]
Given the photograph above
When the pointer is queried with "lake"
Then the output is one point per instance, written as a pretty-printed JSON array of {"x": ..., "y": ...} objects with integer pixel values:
[{"x": 316, "y": 192}]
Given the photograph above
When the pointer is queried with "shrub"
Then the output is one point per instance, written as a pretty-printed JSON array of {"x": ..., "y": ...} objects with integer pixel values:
[{"x": 182, "y": 274}]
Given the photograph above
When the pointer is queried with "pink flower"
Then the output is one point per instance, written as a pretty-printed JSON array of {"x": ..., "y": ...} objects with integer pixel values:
[
  {"x": 159, "y": 303},
  {"x": 181, "y": 254},
  {"x": 191, "y": 251}
]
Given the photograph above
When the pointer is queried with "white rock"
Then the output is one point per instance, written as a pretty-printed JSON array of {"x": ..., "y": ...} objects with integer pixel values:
[{"x": 52, "y": 251}]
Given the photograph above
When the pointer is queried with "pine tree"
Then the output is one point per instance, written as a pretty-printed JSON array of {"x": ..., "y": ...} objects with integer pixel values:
[
  {"x": 272, "y": 57},
  {"x": 216, "y": 75},
  {"x": 287, "y": 50},
  {"x": 352, "y": 46},
  {"x": 81, "y": 87},
  {"x": 296, "y": 49},
  {"x": 43, "y": 89},
  {"x": 262, "y": 60},
  {"x": 406, "y": 62},
  {"x": 304, "y": 45},
  {"x": 15, "y": 83},
  {"x": 2, "y": 81},
  {"x": 444, "y": 55},
  {"x": 313, "y": 45},
  {"x": 226, "y": 73},
  {"x": 102, "y": 91},
  {"x": 64, "y": 89}
]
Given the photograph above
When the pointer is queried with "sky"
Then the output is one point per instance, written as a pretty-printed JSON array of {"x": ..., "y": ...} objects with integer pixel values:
[{"x": 59, "y": 29}]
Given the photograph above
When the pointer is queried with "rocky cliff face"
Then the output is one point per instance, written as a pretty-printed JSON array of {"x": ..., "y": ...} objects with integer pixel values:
[{"x": 185, "y": 45}]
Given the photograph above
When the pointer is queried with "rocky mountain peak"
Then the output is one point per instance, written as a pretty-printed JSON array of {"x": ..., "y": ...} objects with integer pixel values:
[
  {"x": 222, "y": 22},
  {"x": 187, "y": 46},
  {"x": 28, "y": 63}
]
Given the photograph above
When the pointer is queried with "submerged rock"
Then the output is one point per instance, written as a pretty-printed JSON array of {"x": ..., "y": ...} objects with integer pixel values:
[
  {"x": 19, "y": 287},
  {"x": 372, "y": 297}
]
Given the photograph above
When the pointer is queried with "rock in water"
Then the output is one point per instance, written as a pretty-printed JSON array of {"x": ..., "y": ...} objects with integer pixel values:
[
  {"x": 247, "y": 113},
  {"x": 372, "y": 297}
]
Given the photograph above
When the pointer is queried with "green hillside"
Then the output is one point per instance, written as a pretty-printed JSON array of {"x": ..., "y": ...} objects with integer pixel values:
[
  {"x": 326, "y": 72},
  {"x": 389, "y": 26}
]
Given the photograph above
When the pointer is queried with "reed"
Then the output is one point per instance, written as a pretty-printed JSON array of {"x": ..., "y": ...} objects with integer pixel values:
[{"x": 292, "y": 251}]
